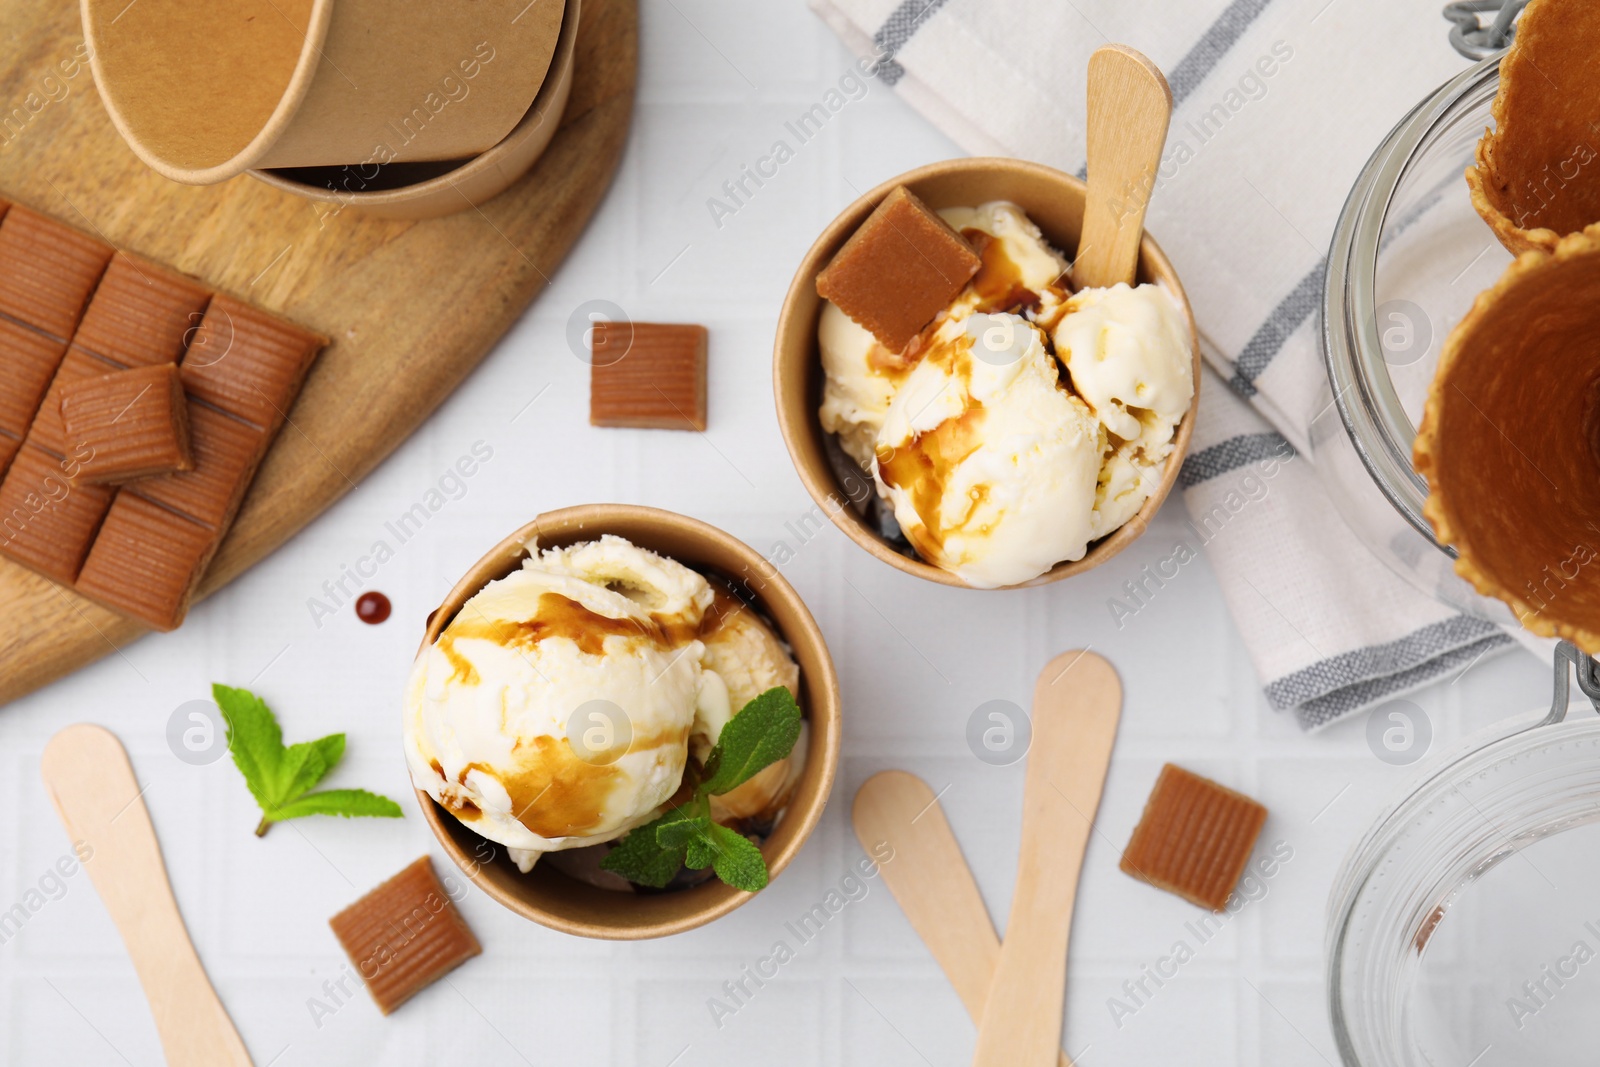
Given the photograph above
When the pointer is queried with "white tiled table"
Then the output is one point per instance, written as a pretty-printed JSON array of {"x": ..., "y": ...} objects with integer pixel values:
[{"x": 915, "y": 660}]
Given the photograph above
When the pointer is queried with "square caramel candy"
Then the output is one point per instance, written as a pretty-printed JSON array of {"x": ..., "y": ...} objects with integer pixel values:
[
  {"x": 901, "y": 267},
  {"x": 147, "y": 561},
  {"x": 47, "y": 271},
  {"x": 1194, "y": 838},
  {"x": 48, "y": 521},
  {"x": 648, "y": 375},
  {"x": 404, "y": 935},
  {"x": 48, "y": 431},
  {"x": 226, "y": 451},
  {"x": 141, "y": 313},
  {"x": 127, "y": 424},
  {"x": 28, "y": 361},
  {"x": 247, "y": 362}
]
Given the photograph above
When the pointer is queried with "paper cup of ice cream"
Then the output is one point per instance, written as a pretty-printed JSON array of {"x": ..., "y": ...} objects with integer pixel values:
[
  {"x": 592, "y": 679},
  {"x": 1027, "y": 431},
  {"x": 203, "y": 92}
]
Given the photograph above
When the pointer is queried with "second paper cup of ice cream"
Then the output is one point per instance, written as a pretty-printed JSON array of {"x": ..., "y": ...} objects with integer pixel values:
[
  {"x": 850, "y": 490},
  {"x": 570, "y": 690}
]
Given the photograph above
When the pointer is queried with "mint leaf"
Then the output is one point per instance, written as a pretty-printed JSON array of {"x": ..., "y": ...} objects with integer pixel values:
[
  {"x": 678, "y": 827},
  {"x": 737, "y": 861},
  {"x": 763, "y": 732},
  {"x": 280, "y": 779},
  {"x": 639, "y": 857},
  {"x": 254, "y": 740},
  {"x": 346, "y": 802}
]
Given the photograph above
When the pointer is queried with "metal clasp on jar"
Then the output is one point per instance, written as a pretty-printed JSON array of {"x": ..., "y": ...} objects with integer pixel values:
[{"x": 1471, "y": 37}]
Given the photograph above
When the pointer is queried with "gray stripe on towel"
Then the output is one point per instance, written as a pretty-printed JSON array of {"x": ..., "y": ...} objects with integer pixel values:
[
  {"x": 1322, "y": 692},
  {"x": 1300, "y": 305},
  {"x": 901, "y": 25},
  {"x": 1230, "y": 455},
  {"x": 1217, "y": 42}
]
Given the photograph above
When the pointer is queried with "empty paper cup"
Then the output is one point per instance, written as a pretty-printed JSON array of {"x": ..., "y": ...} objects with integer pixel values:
[
  {"x": 428, "y": 190},
  {"x": 205, "y": 91}
]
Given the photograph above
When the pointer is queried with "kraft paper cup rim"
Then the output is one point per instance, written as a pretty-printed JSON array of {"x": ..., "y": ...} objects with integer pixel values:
[
  {"x": 551, "y": 898},
  {"x": 420, "y": 199},
  {"x": 204, "y": 92},
  {"x": 797, "y": 367},
  {"x": 294, "y": 95}
]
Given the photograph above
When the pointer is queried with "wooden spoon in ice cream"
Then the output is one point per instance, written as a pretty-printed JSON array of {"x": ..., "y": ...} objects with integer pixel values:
[{"x": 1130, "y": 107}]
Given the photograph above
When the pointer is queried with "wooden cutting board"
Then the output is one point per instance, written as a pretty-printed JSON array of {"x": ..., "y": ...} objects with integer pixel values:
[{"x": 411, "y": 306}]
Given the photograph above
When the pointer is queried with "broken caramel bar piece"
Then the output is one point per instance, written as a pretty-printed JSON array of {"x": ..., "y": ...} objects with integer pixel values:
[
  {"x": 48, "y": 431},
  {"x": 900, "y": 268},
  {"x": 648, "y": 375},
  {"x": 147, "y": 561},
  {"x": 404, "y": 935},
  {"x": 47, "y": 521},
  {"x": 1194, "y": 839},
  {"x": 28, "y": 360},
  {"x": 225, "y": 452},
  {"x": 141, "y": 313},
  {"x": 127, "y": 424},
  {"x": 47, "y": 271},
  {"x": 247, "y": 362}
]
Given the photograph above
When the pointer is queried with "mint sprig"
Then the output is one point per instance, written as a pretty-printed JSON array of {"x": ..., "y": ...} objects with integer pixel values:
[
  {"x": 281, "y": 778},
  {"x": 762, "y": 733}
]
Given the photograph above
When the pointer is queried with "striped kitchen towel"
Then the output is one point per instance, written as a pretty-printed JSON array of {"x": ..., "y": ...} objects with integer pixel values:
[{"x": 1278, "y": 104}]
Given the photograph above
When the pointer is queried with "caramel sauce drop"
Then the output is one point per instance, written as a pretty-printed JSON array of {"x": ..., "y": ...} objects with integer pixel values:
[
  {"x": 998, "y": 282},
  {"x": 923, "y": 465}
]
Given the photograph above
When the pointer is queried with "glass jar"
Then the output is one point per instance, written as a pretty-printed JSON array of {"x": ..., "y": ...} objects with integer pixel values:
[
  {"x": 1464, "y": 927},
  {"x": 1409, "y": 256}
]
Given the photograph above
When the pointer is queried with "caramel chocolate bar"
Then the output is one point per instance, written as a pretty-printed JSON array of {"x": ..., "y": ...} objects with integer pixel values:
[
  {"x": 404, "y": 935},
  {"x": 648, "y": 375},
  {"x": 47, "y": 522},
  {"x": 900, "y": 268},
  {"x": 127, "y": 424},
  {"x": 1194, "y": 839},
  {"x": 47, "y": 271},
  {"x": 247, "y": 362},
  {"x": 28, "y": 360},
  {"x": 141, "y": 313},
  {"x": 147, "y": 561},
  {"x": 225, "y": 452},
  {"x": 48, "y": 431}
]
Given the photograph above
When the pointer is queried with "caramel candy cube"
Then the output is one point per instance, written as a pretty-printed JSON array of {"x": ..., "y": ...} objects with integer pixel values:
[
  {"x": 47, "y": 271},
  {"x": 127, "y": 424},
  {"x": 47, "y": 521},
  {"x": 404, "y": 935},
  {"x": 28, "y": 360},
  {"x": 147, "y": 561},
  {"x": 1194, "y": 839},
  {"x": 900, "y": 268},
  {"x": 247, "y": 362},
  {"x": 225, "y": 452},
  {"x": 48, "y": 431},
  {"x": 648, "y": 375},
  {"x": 141, "y": 313}
]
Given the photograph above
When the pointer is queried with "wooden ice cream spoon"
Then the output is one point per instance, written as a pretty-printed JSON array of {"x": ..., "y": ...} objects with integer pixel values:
[
  {"x": 1077, "y": 702},
  {"x": 932, "y": 882},
  {"x": 1130, "y": 107},
  {"x": 91, "y": 783}
]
